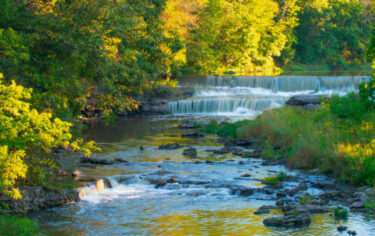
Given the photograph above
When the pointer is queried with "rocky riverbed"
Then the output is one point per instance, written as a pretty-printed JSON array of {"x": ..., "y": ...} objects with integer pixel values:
[{"x": 156, "y": 180}]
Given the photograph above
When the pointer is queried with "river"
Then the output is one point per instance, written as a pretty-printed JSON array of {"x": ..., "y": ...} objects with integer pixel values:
[{"x": 201, "y": 201}]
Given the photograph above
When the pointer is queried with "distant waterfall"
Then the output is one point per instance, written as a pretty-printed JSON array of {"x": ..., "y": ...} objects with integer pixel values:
[
  {"x": 250, "y": 95},
  {"x": 275, "y": 83}
]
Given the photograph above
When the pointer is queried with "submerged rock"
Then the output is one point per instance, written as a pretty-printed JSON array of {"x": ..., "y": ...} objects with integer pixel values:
[
  {"x": 192, "y": 134},
  {"x": 342, "y": 228},
  {"x": 226, "y": 150},
  {"x": 288, "y": 221},
  {"x": 190, "y": 152},
  {"x": 165, "y": 182},
  {"x": 170, "y": 146},
  {"x": 244, "y": 192}
]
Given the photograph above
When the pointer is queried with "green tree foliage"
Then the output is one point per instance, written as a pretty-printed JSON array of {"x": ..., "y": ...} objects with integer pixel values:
[
  {"x": 240, "y": 37},
  {"x": 25, "y": 134},
  {"x": 332, "y": 32},
  {"x": 80, "y": 55},
  {"x": 371, "y": 48}
]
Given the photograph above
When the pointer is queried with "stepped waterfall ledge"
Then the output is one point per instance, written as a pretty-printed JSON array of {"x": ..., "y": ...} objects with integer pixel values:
[{"x": 250, "y": 95}]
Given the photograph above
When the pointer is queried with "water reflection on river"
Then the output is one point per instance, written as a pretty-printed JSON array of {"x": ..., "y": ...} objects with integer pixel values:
[{"x": 139, "y": 208}]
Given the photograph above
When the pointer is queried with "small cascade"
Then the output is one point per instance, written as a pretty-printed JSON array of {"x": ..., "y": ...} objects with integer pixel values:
[
  {"x": 229, "y": 105},
  {"x": 250, "y": 95},
  {"x": 91, "y": 188},
  {"x": 112, "y": 182}
]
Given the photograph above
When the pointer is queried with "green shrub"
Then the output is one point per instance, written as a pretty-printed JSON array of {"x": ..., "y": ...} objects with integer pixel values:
[
  {"x": 338, "y": 138},
  {"x": 211, "y": 128},
  {"x": 306, "y": 199},
  {"x": 340, "y": 213},
  {"x": 13, "y": 226},
  {"x": 370, "y": 204},
  {"x": 367, "y": 94},
  {"x": 275, "y": 180},
  {"x": 349, "y": 107},
  {"x": 225, "y": 130}
]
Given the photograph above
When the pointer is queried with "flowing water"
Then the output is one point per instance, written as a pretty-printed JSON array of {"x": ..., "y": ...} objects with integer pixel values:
[
  {"x": 203, "y": 201},
  {"x": 245, "y": 96}
]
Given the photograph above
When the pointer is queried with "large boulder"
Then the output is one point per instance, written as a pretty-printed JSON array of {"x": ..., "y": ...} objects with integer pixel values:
[
  {"x": 153, "y": 106},
  {"x": 36, "y": 198},
  {"x": 94, "y": 161},
  {"x": 288, "y": 221},
  {"x": 303, "y": 100}
]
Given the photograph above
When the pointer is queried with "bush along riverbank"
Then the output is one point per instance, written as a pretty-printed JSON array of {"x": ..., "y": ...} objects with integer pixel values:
[{"x": 336, "y": 138}]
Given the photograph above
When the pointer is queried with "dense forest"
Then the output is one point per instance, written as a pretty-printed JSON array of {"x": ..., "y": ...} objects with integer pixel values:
[{"x": 99, "y": 54}]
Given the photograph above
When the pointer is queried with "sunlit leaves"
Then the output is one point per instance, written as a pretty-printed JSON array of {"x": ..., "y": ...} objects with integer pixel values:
[{"x": 24, "y": 133}]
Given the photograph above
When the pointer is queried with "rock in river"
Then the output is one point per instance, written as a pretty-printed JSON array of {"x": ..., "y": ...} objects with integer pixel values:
[
  {"x": 170, "y": 146},
  {"x": 288, "y": 221},
  {"x": 264, "y": 210},
  {"x": 190, "y": 152},
  {"x": 192, "y": 134}
]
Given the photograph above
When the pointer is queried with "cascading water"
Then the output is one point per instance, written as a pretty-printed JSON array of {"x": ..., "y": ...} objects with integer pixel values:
[{"x": 250, "y": 95}]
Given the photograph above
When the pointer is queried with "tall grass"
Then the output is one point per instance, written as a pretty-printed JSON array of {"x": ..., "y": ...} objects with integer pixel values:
[{"x": 338, "y": 138}]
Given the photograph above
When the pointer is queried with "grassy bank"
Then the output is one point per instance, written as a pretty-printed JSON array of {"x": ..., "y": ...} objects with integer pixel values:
[
  {"x": 339, "y": 138},
  {"x": 15, "y": 226}
]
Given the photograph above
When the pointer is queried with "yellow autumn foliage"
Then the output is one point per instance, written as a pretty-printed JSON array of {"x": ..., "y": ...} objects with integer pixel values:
[{"x": 24, "y": 132}]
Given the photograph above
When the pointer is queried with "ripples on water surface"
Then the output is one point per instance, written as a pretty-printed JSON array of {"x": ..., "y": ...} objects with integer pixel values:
[{"x": 136, "y": 207}]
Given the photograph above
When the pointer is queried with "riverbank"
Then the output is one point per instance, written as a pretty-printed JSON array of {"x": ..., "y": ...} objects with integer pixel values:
[{"x": 337, "y": 138}]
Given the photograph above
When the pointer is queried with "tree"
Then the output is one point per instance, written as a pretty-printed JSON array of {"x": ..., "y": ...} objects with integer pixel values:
[
  {"x": 332, "y": 32},
  {"x": 240, "y": 37},
  {"x": 83, "y": 55},
  {"x": 25, "y": 134}
]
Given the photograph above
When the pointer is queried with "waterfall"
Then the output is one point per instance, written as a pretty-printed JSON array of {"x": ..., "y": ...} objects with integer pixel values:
[
  {"x": 224, "y": 105},
  {"x": 250, "y": 95}
]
